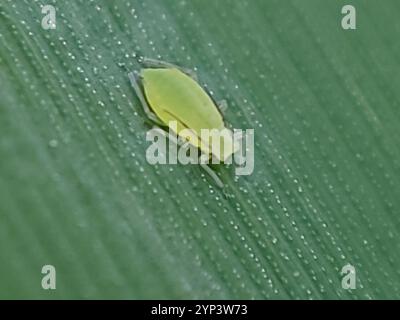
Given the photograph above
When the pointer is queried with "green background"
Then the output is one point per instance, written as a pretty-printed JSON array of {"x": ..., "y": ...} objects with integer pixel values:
[{"x": 76, "y": 191}]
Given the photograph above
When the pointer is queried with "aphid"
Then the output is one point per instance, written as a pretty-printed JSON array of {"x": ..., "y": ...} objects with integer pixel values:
[{"x": 170, "y": 93}]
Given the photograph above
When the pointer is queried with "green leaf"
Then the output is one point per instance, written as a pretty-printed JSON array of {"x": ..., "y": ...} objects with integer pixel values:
[{"x": 77, "y": 193}]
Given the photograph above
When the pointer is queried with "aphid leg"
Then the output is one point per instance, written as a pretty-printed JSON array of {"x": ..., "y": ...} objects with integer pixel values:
[
  {"x": 212, "y": 174},
  {"x": 183, "y": 144},
  {"x": 135, "y": 84},
  {"x": 222, "y": 105},
  {"x": 153, "y": 63}
]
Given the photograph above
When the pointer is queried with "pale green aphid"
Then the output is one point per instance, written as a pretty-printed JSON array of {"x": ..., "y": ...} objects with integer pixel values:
[{"x": 170, "y": 93}]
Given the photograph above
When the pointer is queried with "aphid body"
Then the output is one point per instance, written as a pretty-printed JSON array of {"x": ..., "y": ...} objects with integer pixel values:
[{"x": 168, "y": 93}]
